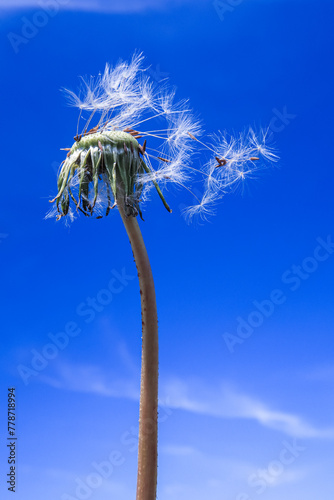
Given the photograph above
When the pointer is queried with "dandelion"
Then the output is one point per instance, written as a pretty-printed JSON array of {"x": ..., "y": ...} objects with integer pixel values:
[
  {"x": 138, "y": 138},
  {"x": 108, "y": 165}
]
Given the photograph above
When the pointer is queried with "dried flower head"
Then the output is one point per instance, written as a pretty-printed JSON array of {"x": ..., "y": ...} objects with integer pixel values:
[{"x": 107, "y": 165}]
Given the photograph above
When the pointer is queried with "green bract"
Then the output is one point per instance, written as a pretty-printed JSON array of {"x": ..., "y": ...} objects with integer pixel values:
[{"x": 105, "y": 164}]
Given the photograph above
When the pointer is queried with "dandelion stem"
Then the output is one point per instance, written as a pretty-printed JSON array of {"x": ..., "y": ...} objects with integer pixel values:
[{"x": 148, "y": 413}]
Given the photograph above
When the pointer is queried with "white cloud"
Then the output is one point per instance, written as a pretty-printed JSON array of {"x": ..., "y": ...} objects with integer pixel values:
[
  {"x": 222, "y": 401},
  {"x": 226, "y": 402},
  {"x": 112, "y": 6},
  {"x": 90, "y": 379}
]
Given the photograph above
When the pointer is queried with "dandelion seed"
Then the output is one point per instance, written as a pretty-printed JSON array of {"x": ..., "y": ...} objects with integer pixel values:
[
  {"x": 261, "y": 142},
  {"x": 205, "y": 207}
]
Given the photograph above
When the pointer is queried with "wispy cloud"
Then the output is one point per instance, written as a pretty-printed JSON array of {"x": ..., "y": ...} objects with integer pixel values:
[
  {"x": 195, "y": 396},
  {"x": 90, "y": 379},
  {"x": 227, "y": 402},
  {"x": 105, "y": 6},
  {"x": 114, "y": 6}
]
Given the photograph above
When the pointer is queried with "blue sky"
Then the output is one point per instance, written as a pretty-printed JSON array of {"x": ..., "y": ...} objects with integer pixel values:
[{"x": 244, "y": 301}]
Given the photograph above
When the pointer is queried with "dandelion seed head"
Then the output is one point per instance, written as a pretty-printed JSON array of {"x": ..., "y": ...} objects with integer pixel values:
[{"x": 139, "y": 138}]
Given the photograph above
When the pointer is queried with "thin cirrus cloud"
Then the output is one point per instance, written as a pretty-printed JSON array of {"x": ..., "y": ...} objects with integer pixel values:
[
  {"x": 89, "y": 379},
  {"x": 193, "y": 396},
  {"x": 227, "y": 402},
  {"x": 113, "y": 6}
]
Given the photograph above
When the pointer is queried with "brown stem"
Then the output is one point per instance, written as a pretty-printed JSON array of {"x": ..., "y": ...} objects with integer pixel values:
[{"x": 148, "y": 413}]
